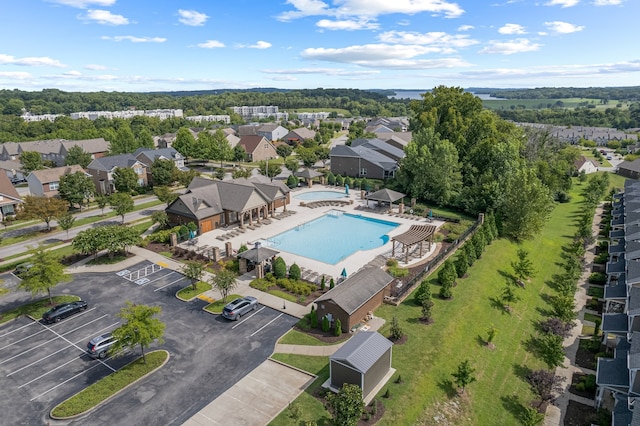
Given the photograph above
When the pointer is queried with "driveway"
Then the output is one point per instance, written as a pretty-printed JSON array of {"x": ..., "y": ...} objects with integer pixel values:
[{"x": 208, "y": 353}]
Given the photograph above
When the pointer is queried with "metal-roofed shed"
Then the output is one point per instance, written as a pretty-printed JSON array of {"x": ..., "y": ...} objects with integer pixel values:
[{"x": 364, "y": 360}]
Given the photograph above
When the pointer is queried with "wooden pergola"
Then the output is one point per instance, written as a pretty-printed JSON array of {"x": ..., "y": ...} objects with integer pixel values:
[
  {"x": 308, "y": 175},
  {"x": 417, "y": 234}
]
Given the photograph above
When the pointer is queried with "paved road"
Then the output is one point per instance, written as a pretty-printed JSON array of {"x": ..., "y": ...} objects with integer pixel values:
[{"x": 54, "y": 237}]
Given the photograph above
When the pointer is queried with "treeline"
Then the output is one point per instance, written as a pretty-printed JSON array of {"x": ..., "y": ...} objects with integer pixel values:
[
  {"x": 54, "y": 101},
  {"x": 616, "y": 118},
  {"x": 631, "y": 93}
]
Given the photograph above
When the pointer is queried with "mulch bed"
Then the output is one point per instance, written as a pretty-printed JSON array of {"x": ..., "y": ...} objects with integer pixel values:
[
  {"x": 581, "y": 415},
  {"x": 326, "y": 337},
  {"x": 368, "y": 418},
  {"x": 585, "y": 358},
  {"x": 577, "y": 378},
  {"x": 400, "y": 341}
]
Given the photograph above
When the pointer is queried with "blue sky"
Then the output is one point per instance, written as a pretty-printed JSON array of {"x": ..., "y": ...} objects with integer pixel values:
[{"x": 141, "y": 45}]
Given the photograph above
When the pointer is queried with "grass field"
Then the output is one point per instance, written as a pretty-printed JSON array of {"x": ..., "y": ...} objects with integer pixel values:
[
  {"x": 546, "y": 103},
  {"x": 432, "y": 353}
]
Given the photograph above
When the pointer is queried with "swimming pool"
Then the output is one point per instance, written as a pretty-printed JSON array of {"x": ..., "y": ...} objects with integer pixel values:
[
  {"x": 333, "y": 237},
  {"x": 320, "y": 195}
]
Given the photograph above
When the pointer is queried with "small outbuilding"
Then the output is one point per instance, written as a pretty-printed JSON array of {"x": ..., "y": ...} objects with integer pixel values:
[{"x": 364, "y": 360}]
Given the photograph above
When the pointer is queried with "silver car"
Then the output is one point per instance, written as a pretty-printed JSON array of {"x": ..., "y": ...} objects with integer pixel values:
[
  {"x": 98, "y": 346},
  {"x": 234, "y": 310}
]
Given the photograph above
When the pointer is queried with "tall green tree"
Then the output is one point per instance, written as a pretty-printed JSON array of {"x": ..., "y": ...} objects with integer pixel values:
[
  {"x": 523, "y": 268},
  {"x": 121, "y": 203},
  {"x": 225, "y": 282},
  {"x": 76, "y": 155},
  {"x": 76, "y": 188},
  {"x": 31, "y": 161},
  {"x": 125, "y": 179},
  {"x": 165, "y": 194},
  {"x": 194, "y": 271},
  {"x": 347, "y": 405},
  {"x": 163, "y": 172},
  {"x": 124, "y": 141},
  {"x": 45, "y": 274},
  {"x": 221, "y": 149},
  {"x": 185, "y": 143},
  {"x": 140, "y": 327},
  {"x": 43, "y": 208},
  {"x": 144, "y": 139}
]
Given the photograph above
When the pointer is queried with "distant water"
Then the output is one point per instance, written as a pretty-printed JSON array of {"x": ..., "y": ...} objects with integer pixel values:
[{"x": 417, "y": 94}]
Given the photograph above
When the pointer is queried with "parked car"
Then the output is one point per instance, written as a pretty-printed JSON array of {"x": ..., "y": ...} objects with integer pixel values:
[
  {"x": 98, "y": 346},
  {"x": 63, "y": 310},
  {"x": 234, "y": 310},
  {"x": 22, "y": 268}
]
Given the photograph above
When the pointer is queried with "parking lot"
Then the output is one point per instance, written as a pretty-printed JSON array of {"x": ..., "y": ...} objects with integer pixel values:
[{"x": 41, "y": 365}]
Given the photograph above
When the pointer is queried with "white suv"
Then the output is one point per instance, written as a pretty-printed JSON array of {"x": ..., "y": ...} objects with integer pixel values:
[{"x": 98, "y": 346}]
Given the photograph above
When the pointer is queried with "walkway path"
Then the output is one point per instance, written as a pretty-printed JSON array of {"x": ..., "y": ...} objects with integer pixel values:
[{"x": 555, "y": 413}]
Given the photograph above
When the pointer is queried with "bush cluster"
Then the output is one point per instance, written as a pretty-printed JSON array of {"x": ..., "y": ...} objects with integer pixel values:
[{"x": 296, "y": 286}]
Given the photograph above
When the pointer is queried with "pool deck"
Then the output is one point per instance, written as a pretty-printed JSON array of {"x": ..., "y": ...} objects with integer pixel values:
[{"x": 305, "y": 214}]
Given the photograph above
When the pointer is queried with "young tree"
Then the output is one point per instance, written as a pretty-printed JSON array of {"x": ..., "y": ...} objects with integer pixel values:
[
  {"x": 274, "y": 169},
  {"x": 76, "y": 188},
  {"x": 337, "y": 328},
  {"x": 396, "y": 331},
  {"x": 193, "y": 270},
  {"x": 347, "y": 405},
  {"x": 427, "y": 309},
  {"x": 140, "y": 327},
  {"x": 550, "y": 349},
  {"x": 462, "y": 265},
  {"x": 102, "y": 201},
  {"x": 508, "y": 297},
  {"x": 125, "y": 179},
  {"x": 545, "y": 385},
  {"x": 66, "y": 221},
  {"x": 45, "y": 274},
  {"x": 464, "y": 375},
  {"x": 284, "y": 151},
  {"x": 225, "y": 282},
  {"x": 161, "y": 218},
  {"x": 76, "y": 155},
  {"x": 31, "y": 161},
  {"x": 447, "y": 277},
  {"x": 491, "y": 334},
  {"x": 43, "y": 208},
  {"x": 121, "y": 203},
  {"x": 422, "y": 293},
  {"x": 163, "y": 172},
  {"x": 165, "y": 194},
  {"x": 523, "y": 268}
]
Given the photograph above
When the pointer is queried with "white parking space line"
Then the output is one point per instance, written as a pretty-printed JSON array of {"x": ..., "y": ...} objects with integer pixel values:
[
  {"x": 159, "y": 278},
  {"x": 68, "y": 380},
  {"x": 171, "y": 283},
  {"x": 63, "y": 349},
  {"x": 17, "y": 329},
  {"x": 50, "y": 340},
  {"x": 240, "y": 323},
  {"x": 264, "y": 326},
  {"x": 49, "y": 372}
]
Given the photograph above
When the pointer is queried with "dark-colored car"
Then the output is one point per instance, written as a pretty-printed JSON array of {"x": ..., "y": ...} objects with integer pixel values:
[
  {"x": 22, "y": 269},
  {"x": 234, "y": 310},
  {"x": 63, "y": 310},
  {"x": 98, "y": 346}
]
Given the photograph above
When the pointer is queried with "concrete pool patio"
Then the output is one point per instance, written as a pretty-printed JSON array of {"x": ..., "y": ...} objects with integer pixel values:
[{"x": 354, "y": 204}]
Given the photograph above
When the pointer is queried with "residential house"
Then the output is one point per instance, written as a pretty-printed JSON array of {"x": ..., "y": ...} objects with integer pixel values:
[
  {"x": 398, "y": 139},
  {"x": 586, "y": 165},
  {"x": 13, "y": 170},
  {"x": 9, "y": 197},
  {"x": 54, "y": 150},
  {"x": 148, "y": 156},
  {"x": 360, "y": 161},
  {"x": 354, "y": 299},
  {"x": 273, "y": 132},
  {"x": 45, "y": 182},
  {"x": 97, "y": 148},
  {"x": 380, "y": 146},
  {"x": 630, "y": 169},
  {"x": 101, "y": 171},
  {"x": 258, "y": 148},
  {"x": 298, "y": 136},
  {"x": 212, "y": 204}
]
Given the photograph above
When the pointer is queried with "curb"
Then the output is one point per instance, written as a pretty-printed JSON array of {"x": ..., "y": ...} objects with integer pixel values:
[{"x": 112, "y": 396}]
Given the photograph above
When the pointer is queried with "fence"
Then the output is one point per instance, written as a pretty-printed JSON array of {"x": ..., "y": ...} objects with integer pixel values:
[{"x": 399, "y": 293}]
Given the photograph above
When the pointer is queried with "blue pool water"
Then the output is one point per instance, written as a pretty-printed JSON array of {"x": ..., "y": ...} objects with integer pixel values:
[
  {"x": 320, "y": 195},
  {"x": 333, "y": 237}
]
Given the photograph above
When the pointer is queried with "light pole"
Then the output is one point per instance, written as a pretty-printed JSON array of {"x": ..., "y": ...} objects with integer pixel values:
[{"x": 266, "y": 146}]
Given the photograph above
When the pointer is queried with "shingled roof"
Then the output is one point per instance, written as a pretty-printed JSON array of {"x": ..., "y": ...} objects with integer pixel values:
[{"x": 363, "y": 350}]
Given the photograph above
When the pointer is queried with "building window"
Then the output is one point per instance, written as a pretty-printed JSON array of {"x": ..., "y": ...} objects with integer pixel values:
[
  {"x": 53, "y": 186},
  {"x": 138, "y": 170},
  {"x": 140, "y": 182}
]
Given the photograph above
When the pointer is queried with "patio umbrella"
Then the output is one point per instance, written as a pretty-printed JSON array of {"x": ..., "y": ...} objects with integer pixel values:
[{"x": 344, "y": 272}]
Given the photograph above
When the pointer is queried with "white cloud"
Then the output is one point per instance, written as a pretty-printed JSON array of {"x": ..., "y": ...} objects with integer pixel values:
[
  {"x": 211, "y": 44},
  {"x": 72, "y": 73},
  {"x": 512, "y": 29},
  {"x": 83, "y": 4},
  {"x": 283, "y": 78},
  {"x": 134, "y": 39},
  {"x": 466, "y": 27},
  {"x": 42, "y": 61},
  {"x": 562, "y": 3},
  {"x": 105, "y": 17},
  {"x": 607, "y": 2},
  {"x": 95, "y": 67},
  {"x": 261, "y": 45},
  {"x": 560, "y": 27},
  {"x": 446, "y": 41},
  {"x": 510, "y": 47},
  {"x": 382, "y": 56},
  {"x": 15, "y": 75},
  {"x": 348, "y": 25},
  {"x": 323, "y": 71},
  {"x": 404, "y": 22},
  {"x": 192, "y": 18},
  {"x": 370, "y": 8}
]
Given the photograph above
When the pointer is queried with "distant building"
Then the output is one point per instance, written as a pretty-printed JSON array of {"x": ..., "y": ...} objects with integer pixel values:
[
  {"x": 208, "y": 118},
  {"x": 46, "y": 182},
  {"x": 260, "y": 112},
  {"x": 162, "y": 114},
  {"x": 28, "y": 117}
]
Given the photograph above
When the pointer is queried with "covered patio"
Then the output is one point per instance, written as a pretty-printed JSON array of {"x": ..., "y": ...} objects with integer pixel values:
[
  {"x": 417, "y": 234},
  {"x": 386, "y": 196},
  {"x": 308, "y": 175},
  {"x": 257, "y": 257}
]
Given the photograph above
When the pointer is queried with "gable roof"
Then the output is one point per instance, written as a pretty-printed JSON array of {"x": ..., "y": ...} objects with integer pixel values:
[
  {"x": 8, "y": 190},
  {"x": 363, "y": 350},
  {"x": 109, "y": 163},
  {"x": 380, "y": 146},
  {"x": 359, "y": 288},
  {"x": 372, "y": 156},
  {"x": 251, "y": 142},
  {"x": 302, "y": 133},
  {"x": 54, "y": 174},
  {"x": 633, "y": 166},
  {"x": 91, "y": 146}
]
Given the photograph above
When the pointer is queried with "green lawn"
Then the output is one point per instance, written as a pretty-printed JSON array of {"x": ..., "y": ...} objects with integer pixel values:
[
  {"x": 294, "y": 337},
  {"x": 216, "y": 307},
  {"x": 189, "y": 293},
  {"x": 433, "y": 352},
  {"x": 35, "y": 309}
]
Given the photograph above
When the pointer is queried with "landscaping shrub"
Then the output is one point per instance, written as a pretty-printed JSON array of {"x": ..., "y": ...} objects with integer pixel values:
[
  {"x": 332, "y": 284},
  {"x": 294, "y": 272},
  {"x": 323, "y": 283},
  {"x": 337, "y": 330},
  {"x": 163, "y": 237},
  {"x": 325, "y": 324},
  {"x": 598, "y": 278},
  {"x": 280, "y": 268},
  {"x": 313, "y": 318}
]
